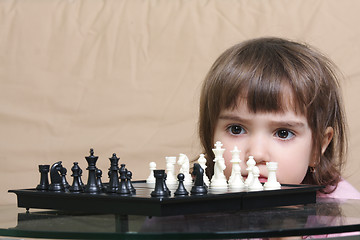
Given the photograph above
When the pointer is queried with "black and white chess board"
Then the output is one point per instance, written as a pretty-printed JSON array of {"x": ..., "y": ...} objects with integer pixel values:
[
  {"x": 141, "y": 203},
  {"x": 121, "y": 195}
]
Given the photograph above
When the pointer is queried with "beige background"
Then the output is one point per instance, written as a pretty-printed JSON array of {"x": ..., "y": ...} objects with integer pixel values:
[{"x": 124, "y": 76}]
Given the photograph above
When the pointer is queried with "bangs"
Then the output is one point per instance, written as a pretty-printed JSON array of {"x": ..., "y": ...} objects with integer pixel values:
[
  {"x": 267, "y": 79},
  {"x": 272, "y": 92},
  {"x": 267, "y": 96}
]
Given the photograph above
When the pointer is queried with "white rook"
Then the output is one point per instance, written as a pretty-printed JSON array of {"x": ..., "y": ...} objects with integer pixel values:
[{"x": 272, "y": 182}]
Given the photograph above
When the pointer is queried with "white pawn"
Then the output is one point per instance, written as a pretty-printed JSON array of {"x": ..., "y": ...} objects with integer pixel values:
[
  {"x": 202, "y": 162},
  {"x": 170, "y": 170},
  {"x": 272, "y": 182},
  {"x": 184, "y": 162},
  {"x": 236, "y": 181},
  {"x": 256, "y": 184},
  {"x": 151, "y": 178},
  {"x": 219, "y": 180},
  {"x": 250, "y": 165}
]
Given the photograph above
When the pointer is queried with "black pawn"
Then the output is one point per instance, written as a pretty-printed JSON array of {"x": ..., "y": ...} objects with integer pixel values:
[
  {"x": 98, "y": 179},
  {"x": 63, "y": 172},
  {"x": 113, "y": 174},
  {"x": 76, "y": 185},
  {"x": 128, "y": 182},
  {"x": 199, "y": 187},
  {"x": 44, "y": 178},
  {"x": 159, "y": 184},
  {"x": 91, "y": 186},
  {"x": 166, "y": 189},
  {"x": 181, "y": 190},
  {"x": 123, "y": 189}
]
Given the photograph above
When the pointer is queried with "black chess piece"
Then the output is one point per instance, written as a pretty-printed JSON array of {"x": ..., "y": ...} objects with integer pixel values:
[
  {"x": 56, "y": 184},
  {"x": 80, "y": 175},
  {"x": 91, "y": 186},
  {"x": 159, "y": 184},
  {"x": 181, "y": 190},
  {"x": 128, "y": 182},
  {"x": 166, "y": 189},
  {"x": 123, "y": 189},
  {"x": 199, "y": 187},
  {"x": 113, "y": 174},
  {"x": 98, "y": 179},
  {"x": 63, "y": 172},
  {"x": 76, "y": 185},
  {"x": 44, "y": 178}
]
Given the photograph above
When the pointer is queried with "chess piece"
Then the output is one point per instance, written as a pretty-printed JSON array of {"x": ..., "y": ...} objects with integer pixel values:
[
  {"x": 76, "y": 185},
  {"x": 236, "y": 181},
  {"x": 151, "y": 178},
  {"x": 64, "y": 182},
  {"x": 170, "y": 170},
  {"x": 91, "y": 186},
  {"x": 234, "y": 160},
  {"x": 44, "y": 178},
  {"x": 199, "y": 187},
  {"x": 181, "y": 190},
  {"x": 184, "y": 162},
  {"x": 202, "y": 162},
  {"x": 159, "y": 184},
  {"x": 123, "y": 189},
  {"x": 219, "y": 180},
  {"x": 113, "y": 174},
  {"x": 272, "y": 183},
  {"x": 56, "y": 184},
  {"x": 98, "y": 179},
  {"x": 80, "y": 175},
  {"x": 250, "y": 177},
  {"x": 256, "y": 184},
  {"x": 128, "y": 182},
  {"x": 166, "y": 189}
]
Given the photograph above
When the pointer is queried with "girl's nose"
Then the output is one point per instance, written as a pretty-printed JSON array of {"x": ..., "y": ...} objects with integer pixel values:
[{"x": 258, "y": 147}]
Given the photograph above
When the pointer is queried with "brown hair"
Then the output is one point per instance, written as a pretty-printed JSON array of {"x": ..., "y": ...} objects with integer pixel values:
[{"x": 258, "y": 70}]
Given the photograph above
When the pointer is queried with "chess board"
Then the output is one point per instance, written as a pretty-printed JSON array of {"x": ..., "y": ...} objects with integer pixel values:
[{"x": 141, "y": 203}]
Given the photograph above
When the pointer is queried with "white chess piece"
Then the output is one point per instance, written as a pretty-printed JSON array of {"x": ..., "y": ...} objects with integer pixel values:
[
  {"x": 250, "y": 177},
  {"x": 234, "y": 160},
  {"x": 219, "y": 180},
  {"x": 236, "y": 181},
  {"x": 256, "y": 184},
  {"x": 184, "y": 162},
  {"x": 272, "y": 182},
  {"x": 202, "y": 162},
  {"x": 151, "y": 178},
  {"x": 170, "y": 170}
]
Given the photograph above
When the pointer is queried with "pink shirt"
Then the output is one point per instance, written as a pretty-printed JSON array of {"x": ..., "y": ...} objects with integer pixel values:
[{"x": 344, "y": 190}]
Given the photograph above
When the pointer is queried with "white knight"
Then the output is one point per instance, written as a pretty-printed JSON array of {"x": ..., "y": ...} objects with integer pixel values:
[
  {"x": 202, "y": 162},
  {"x": 184, "y": 163}
]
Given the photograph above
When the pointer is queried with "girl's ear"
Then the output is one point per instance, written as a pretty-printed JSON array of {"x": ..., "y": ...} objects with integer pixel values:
[{"x": 329, "y": 133}]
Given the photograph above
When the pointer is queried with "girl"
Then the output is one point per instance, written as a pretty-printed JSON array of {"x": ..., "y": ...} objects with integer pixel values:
[{"x": 277, "y": 100}]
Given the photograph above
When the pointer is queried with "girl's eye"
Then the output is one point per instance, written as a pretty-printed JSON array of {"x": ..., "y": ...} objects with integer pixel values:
[
  {"x": 236, "y": 129},
  {"x": 284, "y": 134}
]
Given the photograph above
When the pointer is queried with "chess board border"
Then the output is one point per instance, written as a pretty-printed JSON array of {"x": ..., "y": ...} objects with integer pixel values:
[{"x": 143, "y": 204}]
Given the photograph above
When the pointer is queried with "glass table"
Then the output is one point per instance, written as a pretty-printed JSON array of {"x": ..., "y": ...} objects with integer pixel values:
[{"x": 327, "y": 216}]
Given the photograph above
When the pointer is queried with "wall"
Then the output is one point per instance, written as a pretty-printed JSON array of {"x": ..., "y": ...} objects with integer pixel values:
[{"x": 123, "y": 76}]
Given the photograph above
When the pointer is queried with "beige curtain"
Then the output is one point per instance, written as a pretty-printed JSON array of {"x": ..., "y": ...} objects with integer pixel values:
[{"x": 123, "y": 76}]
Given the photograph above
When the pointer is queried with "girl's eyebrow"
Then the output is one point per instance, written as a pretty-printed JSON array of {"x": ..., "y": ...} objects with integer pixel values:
[
  {"x": 289, "y": 123},
  {"x": 233, "y": 118}
]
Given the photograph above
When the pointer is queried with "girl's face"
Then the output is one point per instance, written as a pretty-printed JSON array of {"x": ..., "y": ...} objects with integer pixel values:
[{"x": 282, "y": 137}]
